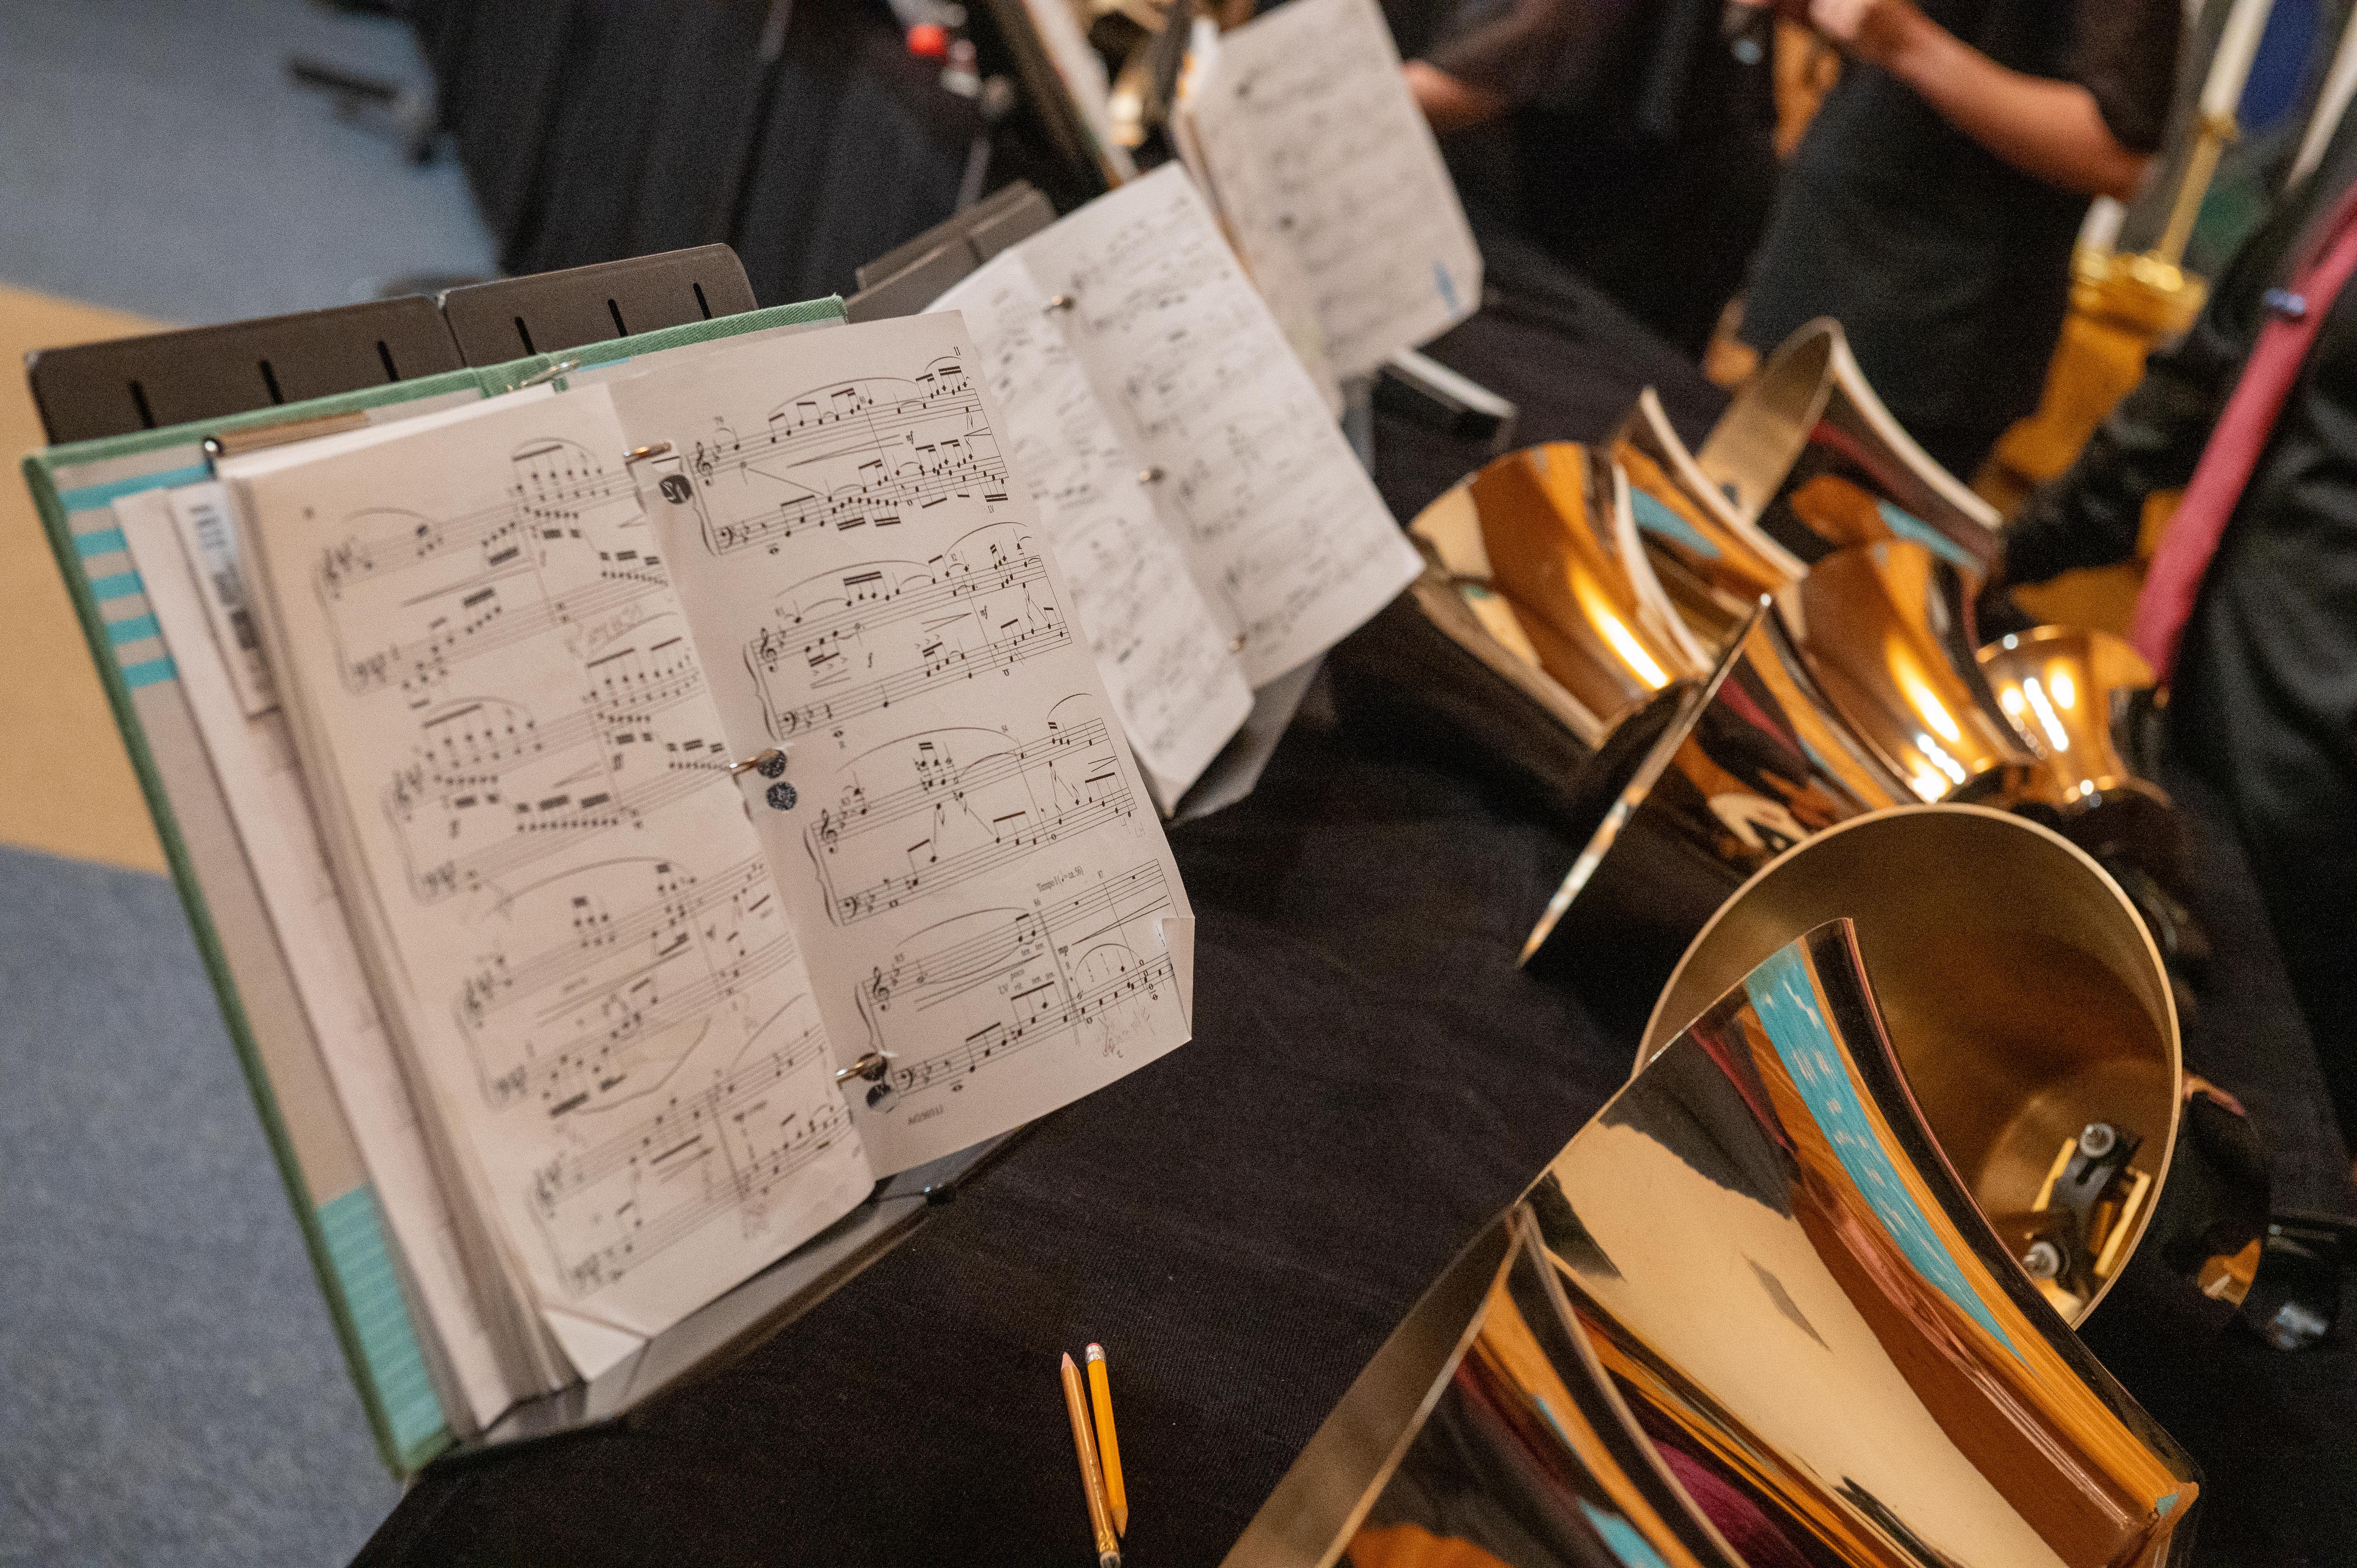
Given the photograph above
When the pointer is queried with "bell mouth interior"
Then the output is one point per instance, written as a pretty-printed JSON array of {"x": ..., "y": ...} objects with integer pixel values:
[
  {"x": 2022, "y": 995},
  {"x": 1761, "y": 435}
]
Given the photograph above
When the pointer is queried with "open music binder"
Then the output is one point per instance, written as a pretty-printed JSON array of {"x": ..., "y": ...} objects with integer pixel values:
[{"x": 175, "y": 652}]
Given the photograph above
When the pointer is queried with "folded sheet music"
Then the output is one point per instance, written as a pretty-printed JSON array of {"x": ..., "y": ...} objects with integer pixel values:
[
  {"x": 1215, "y": 527},
  {"x": 1301, "y": 126},
  {"x": 621, "y": 976}
]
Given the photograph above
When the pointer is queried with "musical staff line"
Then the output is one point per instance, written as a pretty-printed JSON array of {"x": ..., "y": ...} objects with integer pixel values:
[
  {"x": 848, "y": 454},
  {"x": 976, "y": 816}
]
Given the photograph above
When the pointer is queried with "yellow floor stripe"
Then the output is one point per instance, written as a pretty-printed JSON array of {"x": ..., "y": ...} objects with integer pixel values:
[{"x": 66, "y": 784}]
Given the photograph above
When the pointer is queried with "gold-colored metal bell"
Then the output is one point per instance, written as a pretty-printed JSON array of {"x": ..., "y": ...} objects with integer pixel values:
[
  {"x": 1750, "y": 1301},
  {"x": 2024, "y": 998},
  {"x": 1883, "y": 627},
  {"x": 2066, "y": 690},
  {"x": 1542, "y": 545}
]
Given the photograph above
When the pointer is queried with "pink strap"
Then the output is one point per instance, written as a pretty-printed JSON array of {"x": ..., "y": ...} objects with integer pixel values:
[{"x": 2227, "y": 463}]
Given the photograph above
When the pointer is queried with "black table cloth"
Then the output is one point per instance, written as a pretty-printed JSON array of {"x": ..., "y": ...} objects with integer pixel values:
[{"x": 1242, "y": 1222}]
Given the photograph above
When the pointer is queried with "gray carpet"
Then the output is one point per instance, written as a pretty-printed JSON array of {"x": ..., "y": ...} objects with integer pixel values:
[
  {"x": 170, "y": 1389},
  {"x": 157, "y": 159}
]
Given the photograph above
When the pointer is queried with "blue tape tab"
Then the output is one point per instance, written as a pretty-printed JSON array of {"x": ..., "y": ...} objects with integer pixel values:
[
  {"x": 91, "y": 497},
  {"x": 354, "y": 1228},
  {"x": 99, "y": 542},
  {"x": 121, "y": 585},
  {"x": 147, "y": 673},
  {"x": 133, "y": 629}
]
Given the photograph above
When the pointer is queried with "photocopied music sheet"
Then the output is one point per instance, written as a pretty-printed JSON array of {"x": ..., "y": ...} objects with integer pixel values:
[
  {"x": 1164, "y": 651},
  {"x": 252, "y": 756},
  {"x": 1285, "y": 538},
  {"x": 1313, "y": 146},
  {"x": 959, "y": 833},
  {"x": 569, "y": 919}
]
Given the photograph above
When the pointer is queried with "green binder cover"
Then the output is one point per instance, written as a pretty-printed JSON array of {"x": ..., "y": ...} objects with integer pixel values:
[{"x": 75, "y": 485}]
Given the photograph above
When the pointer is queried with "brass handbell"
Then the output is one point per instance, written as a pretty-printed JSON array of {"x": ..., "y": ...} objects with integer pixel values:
[
  {"x": 1810, "y": 415},
  {"x": 2025, "y": 999},
  {"x": 1541, "y": 545},
  {"x": 1884, "y": 629},
  {"x": 1749, "y": 763},
  {"x": 2066, "y": 689},
  {"x": 1746, "y": 1315},
  {"x": 1712, "y": 558}
]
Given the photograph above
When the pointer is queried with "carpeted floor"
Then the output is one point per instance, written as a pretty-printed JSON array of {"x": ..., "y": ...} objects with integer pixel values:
[
  {"x": 159, "y": 161},
  {"x": 170, "y": 1390}
]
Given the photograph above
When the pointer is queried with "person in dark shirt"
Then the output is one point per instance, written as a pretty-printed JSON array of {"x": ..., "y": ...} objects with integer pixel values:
[
  {"x": 2263, "y": 703},
  {"x": 1931, "y": 207},
  {"x": 1640, "y": 135}
]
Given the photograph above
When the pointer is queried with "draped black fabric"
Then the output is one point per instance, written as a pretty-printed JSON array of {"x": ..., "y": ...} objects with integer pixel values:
[{"x": 1242, "y": 1223}]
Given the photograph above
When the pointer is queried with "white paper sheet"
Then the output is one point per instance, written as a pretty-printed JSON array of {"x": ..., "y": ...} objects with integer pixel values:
[
  {"x": 962, "y": 839},
  {"x": 1280, "y": 525},
  {"x": 1163, "y": 652},
  {"x": 571, "y": 922},
  {"x": 253, "y": 759},
  {"x": 1316, "y": 149}
]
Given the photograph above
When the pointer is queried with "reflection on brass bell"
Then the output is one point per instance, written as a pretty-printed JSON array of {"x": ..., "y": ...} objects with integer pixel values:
[
  {"x": 2023, "y": 997},
  {"x": 1746, "y": 765},
  {"x": 1748, "y": 1302},
  {"x": 1809, "y": 416},
  {"x": 1884, "y": 629},
  {"x": 1543, "y": 546},
  {"x": 2065, "y": 689}
]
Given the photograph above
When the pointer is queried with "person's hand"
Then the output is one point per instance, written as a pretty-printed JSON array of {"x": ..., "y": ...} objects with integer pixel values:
[
  {"x": 1447, "y": 103},
  {"x": 1875, "y": 31}
]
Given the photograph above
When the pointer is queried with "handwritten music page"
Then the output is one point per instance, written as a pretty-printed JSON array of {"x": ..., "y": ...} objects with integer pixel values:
[
  {"x": 1282, "y": 532},
  {"x": 570, "y": 924},
  {"x": 962, "y": 840},
  {"x": 1164, "y": 651},
  {"x": 1315, "y": 146}
]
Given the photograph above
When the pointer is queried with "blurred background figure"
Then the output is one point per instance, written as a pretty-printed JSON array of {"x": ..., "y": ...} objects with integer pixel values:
[
  {"x": 1931, "y": 207},
  {"x": 2253, "y": 588},
  {"x": 1633, "y": 139}
]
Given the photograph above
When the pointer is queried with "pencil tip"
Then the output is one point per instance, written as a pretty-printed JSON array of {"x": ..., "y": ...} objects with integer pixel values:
[
  {"x": 1121, "y": 1519},
  {"x": 1068, "y": 1357}
]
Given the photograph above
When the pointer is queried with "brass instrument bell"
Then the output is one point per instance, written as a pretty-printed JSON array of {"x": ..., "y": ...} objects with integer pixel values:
[
  {"x": 2066, "y": 690},
  {"x": 1542, "y": 544},
  {"x": 1751, "y": 762},
  {"x": 2026, "y": 1002},
  {"x": 1809, "y": 416},
  {"x": 1746, "y": 1315},
  {"x": 1687, "y": 520},
  {"x": 1884, "y": 628}
]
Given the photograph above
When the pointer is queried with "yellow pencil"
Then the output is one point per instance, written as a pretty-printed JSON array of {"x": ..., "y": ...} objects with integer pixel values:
[
  {"x": 1108, "y": 1444},
  {"x": 1076, "y": 1405}
]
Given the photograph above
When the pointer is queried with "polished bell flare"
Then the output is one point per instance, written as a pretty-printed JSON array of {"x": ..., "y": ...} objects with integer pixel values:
[
  {"x": 1809, "y": 414},
  {"x": 1746, "y": 765},
  {"x": 2066, "y": 689},
  {"x": 1885, "y": 629},
  {"x": 2022, "y": 993},
  {"x": 1749, "y": 1303},
  {"x": 1543, "y": 544},
  {"x": 1701, "y": 543}
]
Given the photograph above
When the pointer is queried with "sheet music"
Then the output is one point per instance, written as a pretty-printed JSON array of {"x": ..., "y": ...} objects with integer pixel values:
[
  {"x": 253, "y": 759},
  {"x": 1164, "y": 651},
  {"x": 1281, "y": 527},
  {"x": 1315, "y": 145},
  {"x": 573, "y": 923},
  {"x": 959, "y": 833}
]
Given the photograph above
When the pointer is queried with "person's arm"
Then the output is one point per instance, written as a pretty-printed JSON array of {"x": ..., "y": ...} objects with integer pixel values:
[
  {"x": 2051, "y": 129},
  {"x": 2090, "y": 515},
  {"x": 1448, "y": 103}
]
